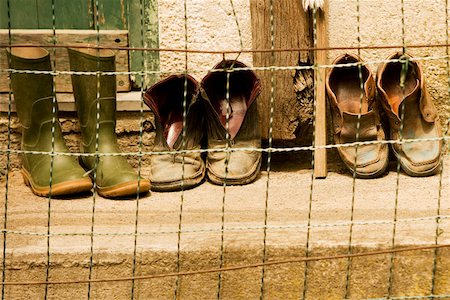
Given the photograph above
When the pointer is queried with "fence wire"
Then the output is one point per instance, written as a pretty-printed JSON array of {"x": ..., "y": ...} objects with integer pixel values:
[{"x": 267, "y": 229}]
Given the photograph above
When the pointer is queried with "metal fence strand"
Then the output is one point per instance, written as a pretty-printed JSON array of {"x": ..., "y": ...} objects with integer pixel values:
[
  {"x": 52, "y": 158},
  {"x": 311, "y": 192},
  {"x": 441, "y": 172},
  {"x": 269, "y": 153},
  {"x": 97, "y": 157},
  {"x": 141, "y": 132},
  {"x": 8, "y": 161},
  {"x": 403, "y": 73},
  {"x": 358, "y": 125},
  {"x": 181, "y": 205}
]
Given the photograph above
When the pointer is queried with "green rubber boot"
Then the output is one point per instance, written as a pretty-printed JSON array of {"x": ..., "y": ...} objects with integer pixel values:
[
  {"x": 114, "y": 176},
  {"x": 34, "y": 104}
]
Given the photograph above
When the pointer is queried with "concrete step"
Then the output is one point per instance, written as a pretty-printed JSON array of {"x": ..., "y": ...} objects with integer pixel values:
[{"x": 243, "y": 210}]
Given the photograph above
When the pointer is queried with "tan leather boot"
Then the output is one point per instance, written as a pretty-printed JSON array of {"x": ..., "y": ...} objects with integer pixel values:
[
  {"x": 351, "y": 105},
  {"x": 96, "y": 101},
  {"x": 33, "y": 94},
  {"x": 171, "y": 172},
  {"x": 243, "y": 124},
  {"x": 420, "y": 117}
]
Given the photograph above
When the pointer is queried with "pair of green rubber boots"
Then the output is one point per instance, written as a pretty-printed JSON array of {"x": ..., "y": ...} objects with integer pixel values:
[{"x": 95, "y": 98}]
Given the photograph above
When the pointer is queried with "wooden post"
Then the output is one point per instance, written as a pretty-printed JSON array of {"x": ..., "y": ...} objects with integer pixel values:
[
  {"x": 291, "y": 31},
  {"x": 320, "y": 58}
]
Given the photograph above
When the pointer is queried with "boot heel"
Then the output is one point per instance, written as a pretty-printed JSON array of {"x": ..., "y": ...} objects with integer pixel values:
[{"x": 25, "y": 178}]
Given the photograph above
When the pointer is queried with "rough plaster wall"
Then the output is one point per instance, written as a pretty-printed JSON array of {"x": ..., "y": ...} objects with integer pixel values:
[
  {"x": 381, "y": 25},
  {"x": 211, "y": 25}
]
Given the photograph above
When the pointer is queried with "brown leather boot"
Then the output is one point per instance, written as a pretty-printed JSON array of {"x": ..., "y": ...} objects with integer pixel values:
[
  {"x": 243, "y": 124},
  {"x": 420, "y": 117},
  {"x": 165, "y": 99},
  {"x": 351, "y": 105}
]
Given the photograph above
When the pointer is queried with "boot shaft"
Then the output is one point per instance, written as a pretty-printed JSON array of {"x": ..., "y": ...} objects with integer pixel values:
[
  {"x": 230, "y": 100},
  {"x": 30, "y": 89},
  {"x": 168, "y": 99},
  {"x": 95, "y": 96},
  {"x": 34, "y": 96}
]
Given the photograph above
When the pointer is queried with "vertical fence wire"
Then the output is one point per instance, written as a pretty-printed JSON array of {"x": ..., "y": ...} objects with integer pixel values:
[
  {"x": 141, "y": 132},
  {"x": 52, "y": 158},
  {"x": 228, "y": 71},
  {"x": 311, "y": 192},
  {"x": 183, "y": 142},
  {"x": 441, "y": 171},
  {"x": 405, "y": 64},
  {"x": 358, "y": 125},
  {"x": 270, "y": 141},
  {"x": 8, "y": 158},
  {"x": 227, "y": 160},
  {"x": 97, "y": 138}
]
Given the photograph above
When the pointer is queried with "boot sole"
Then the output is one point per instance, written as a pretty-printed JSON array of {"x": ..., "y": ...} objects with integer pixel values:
[
  {"x": 375, "y": 174},
  {"x": 64, "y": 188},
  {"x": 241, "y": 181},
  {"x": 412, "y": 173},
  {"x": 178, "y": 185},
  {"x": 124, "y": 189}
]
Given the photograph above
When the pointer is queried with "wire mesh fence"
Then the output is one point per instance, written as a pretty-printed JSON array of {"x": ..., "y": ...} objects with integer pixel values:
[{"x": 285, "y": 233}]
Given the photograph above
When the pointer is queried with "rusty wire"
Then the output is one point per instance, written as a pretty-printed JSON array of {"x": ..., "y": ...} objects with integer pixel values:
[
  {"x": 221, "y": 52},
  {"x": 231, "y": 268}
]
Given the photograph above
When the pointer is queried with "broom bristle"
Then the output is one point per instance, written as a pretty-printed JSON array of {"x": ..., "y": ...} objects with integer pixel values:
[{"x": 312, "y": 4}]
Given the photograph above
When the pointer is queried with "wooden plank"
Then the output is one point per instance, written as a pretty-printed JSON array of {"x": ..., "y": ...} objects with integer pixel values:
[
  {"x": 292, "y": 30},
  {"x": 127, "y": 101},
  {"x": 69, "y": 37},
  {"x": 144, "y": 34},
  {"x": 113, "y": 14},
  {"x": 73, "y": 14},
  {"x": 320, "y": 155},
  {"x": 23, "y": 14}
]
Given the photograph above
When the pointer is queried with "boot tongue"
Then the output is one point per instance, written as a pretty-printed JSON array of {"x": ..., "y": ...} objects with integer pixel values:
[
  {"x": 413, "y": 96},
  {"x": 367, "y": 127}
]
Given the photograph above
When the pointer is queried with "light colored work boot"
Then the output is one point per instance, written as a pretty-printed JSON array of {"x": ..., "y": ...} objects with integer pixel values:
[
  {"x": 351, "y": 94},
  {"x": 420, "y": 117},
  {"x": 238, "y": 166},
  {"x": 172, "y": 172}
]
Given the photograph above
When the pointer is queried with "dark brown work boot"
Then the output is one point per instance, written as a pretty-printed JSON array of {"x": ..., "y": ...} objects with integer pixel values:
[
  {"x": 420, "y": 117},
  {"x": 351, "y": 94},
  {"x": 241, "y": 166},
  {"x": 171, "y": 172}
]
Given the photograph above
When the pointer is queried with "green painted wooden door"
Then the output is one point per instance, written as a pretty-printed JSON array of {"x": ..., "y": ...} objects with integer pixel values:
[
  {"x": 69, "y": 14},
  {"x": 138, "y": 17}
]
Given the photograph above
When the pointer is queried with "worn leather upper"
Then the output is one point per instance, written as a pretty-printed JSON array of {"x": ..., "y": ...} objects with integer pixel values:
[
  {"x": 168, "y": 99},
  {"x": 238, "y": 166},
  {"x": 351, "y": 94},
  {"x": 413, "y": 104}
]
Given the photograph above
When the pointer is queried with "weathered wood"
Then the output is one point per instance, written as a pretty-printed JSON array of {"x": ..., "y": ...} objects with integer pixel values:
[
  {"x": 38, "y": 14},
  {"x": 68, "y": 37},
  {"x": 320, "y": 57},
  {"x": 292, "y": 113},
  {"x": 144, "y": 33}
]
